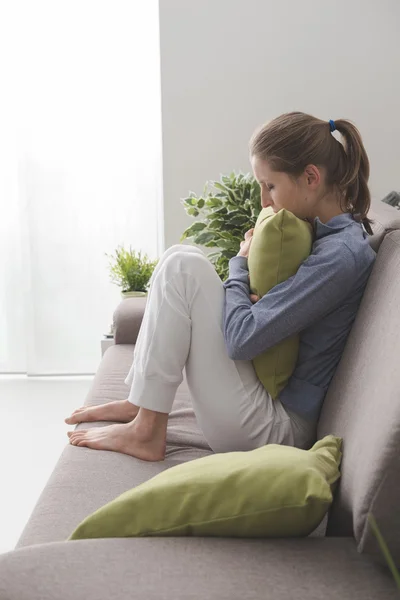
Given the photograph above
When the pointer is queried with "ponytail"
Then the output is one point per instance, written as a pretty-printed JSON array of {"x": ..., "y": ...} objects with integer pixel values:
[{"x": 354, "y": 182}]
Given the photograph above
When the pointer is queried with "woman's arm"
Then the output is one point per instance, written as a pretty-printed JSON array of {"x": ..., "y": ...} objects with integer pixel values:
[{"x": 322, "y": 282}]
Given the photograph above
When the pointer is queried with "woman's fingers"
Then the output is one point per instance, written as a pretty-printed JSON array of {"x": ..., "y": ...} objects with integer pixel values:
[
  {"x": 245, "y": 244},
  {"x": 254, "y": 298}
]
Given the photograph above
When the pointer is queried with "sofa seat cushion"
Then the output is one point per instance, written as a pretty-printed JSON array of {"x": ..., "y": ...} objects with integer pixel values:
[
  {"x": 85, "y": 479},
  {"x": 193, "y": 569}
]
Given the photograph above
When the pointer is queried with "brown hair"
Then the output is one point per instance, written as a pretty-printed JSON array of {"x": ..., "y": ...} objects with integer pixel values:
[{"x": 294, "y": 140}]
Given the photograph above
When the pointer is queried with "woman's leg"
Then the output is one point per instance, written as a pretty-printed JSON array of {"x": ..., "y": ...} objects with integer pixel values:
[
  {"x": 183, "y": 327},
  {"x": 122, "y": 410},
  {"x": 148, "y": 320}
]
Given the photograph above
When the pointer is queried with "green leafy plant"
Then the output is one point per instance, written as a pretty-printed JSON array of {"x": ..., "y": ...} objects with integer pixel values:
[
  {"x": 385, "y": 550},
  {"x": 227, "y": 209},
  {"x": 130, "y": 270}
]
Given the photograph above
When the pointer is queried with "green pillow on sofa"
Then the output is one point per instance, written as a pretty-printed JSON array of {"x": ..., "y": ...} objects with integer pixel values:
[
  {"x": 274, "y": 491},
  {"x": 281, "y": 242}
]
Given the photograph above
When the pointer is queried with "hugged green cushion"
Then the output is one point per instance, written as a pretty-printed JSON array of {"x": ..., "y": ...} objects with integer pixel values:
[
  {"x": 274, "y": 491},
  {"x": 281, "y": 242}
]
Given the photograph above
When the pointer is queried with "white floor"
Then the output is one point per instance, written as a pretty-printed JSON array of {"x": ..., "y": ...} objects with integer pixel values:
[{"x": 32, "y": 436}]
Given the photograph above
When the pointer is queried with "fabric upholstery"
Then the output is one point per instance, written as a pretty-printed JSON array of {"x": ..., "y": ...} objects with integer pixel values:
[
  {"x": 363, "y": 407},
  {"x": 193, "y": 569},
  {"x": 385, "y": 219},
  {"x": 127, "y": 320},
  {"x": 84, "y": 479}
]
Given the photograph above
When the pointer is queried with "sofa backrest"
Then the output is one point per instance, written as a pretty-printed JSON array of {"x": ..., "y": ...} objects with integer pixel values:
[
  {"x": 363, "y": 407},
  {"x": 385, "y": 219}
]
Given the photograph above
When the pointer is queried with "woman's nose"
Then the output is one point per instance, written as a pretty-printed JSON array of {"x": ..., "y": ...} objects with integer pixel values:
[{"x": 265, "y": 200}]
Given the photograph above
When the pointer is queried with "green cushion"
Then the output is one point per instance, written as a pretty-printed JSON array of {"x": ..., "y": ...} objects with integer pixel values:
[
  {"x": 281, "y": 242},
  {"x": 274, "y": 491}
]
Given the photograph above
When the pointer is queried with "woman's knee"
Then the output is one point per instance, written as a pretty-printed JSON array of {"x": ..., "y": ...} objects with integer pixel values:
[
  {"x": 172, "y": 252},
  {"x": 195, "y": 264},
  {"x": 181, "y": 248}
]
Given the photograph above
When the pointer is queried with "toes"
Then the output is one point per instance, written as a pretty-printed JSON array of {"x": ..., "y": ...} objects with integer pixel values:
[
  {"x": 87, "y": 441},
  {"x": 76, "y": 417},
  {"x": 95, "y": 444},
  {"x": 76, "y": 432},
  {"x": 83, "y": 443},
  {"x": 80, "y": 433},
  {"x": 72, "y": 420},
  {"x": 75, "y": 440},
  {"x": 76, "y": 436}
]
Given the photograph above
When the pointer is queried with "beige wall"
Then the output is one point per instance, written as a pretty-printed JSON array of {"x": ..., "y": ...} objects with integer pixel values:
[{"x": 229, "y": 65}]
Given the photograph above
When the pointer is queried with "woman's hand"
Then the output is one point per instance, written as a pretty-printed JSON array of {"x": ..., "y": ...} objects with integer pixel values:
[
  {"x": 245, "y": 245},
  {"x": 253, "y": 297},
  {"x": 244, "y": 251}
]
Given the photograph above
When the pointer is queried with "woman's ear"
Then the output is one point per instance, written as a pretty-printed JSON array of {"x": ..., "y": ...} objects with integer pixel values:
[{"x": 313, "y": 176}]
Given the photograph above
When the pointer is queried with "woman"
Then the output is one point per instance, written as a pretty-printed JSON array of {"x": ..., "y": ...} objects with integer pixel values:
[{"x": 192, "y": 320}]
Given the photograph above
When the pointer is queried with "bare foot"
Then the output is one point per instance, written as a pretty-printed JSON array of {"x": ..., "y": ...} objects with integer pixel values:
[
  {"x": 120, "y": 410},
  {"x": 146, "y": 443}
]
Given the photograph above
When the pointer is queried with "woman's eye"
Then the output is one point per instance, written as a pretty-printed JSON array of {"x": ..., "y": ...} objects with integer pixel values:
[{"x": 270, "y": 187}]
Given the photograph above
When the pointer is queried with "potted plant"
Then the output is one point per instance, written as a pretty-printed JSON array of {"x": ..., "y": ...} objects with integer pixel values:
[
  {"x": 227, "y": 209},
  {"x": 131, "y": 271}
]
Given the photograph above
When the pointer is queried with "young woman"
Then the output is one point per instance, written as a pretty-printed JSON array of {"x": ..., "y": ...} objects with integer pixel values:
[{"x": 214, "y": 330}]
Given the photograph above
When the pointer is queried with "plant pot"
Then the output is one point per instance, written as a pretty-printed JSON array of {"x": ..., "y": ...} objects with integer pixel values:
[{"x": 133, "y": 294}]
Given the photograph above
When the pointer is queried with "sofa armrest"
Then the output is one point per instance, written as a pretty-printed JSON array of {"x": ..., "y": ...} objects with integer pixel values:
[{"x": 127, "y": 320}]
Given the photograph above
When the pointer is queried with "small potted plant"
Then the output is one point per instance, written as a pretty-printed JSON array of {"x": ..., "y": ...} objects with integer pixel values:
[{"x": 131, "y": 271}]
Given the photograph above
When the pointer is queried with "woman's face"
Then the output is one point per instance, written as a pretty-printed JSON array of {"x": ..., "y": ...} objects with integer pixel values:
[{"x": 279, "y": 190}]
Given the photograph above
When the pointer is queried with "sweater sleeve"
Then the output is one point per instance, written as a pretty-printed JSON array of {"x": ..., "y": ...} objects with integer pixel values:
[{"x": 322, "y": 282}]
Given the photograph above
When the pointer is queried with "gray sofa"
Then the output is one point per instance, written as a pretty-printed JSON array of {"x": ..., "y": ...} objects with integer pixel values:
[{"x": 362, "y": 406}]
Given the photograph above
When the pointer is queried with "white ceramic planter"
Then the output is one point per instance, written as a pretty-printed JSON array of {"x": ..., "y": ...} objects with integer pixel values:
[{"x": 133, "y": 294}]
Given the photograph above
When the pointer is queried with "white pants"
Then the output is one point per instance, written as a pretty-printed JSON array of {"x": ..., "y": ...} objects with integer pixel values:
[{"x": 182, "y": 327}]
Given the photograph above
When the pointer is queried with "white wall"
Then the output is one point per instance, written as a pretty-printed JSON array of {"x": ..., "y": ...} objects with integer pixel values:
[{"x": 227, "y": 66}]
